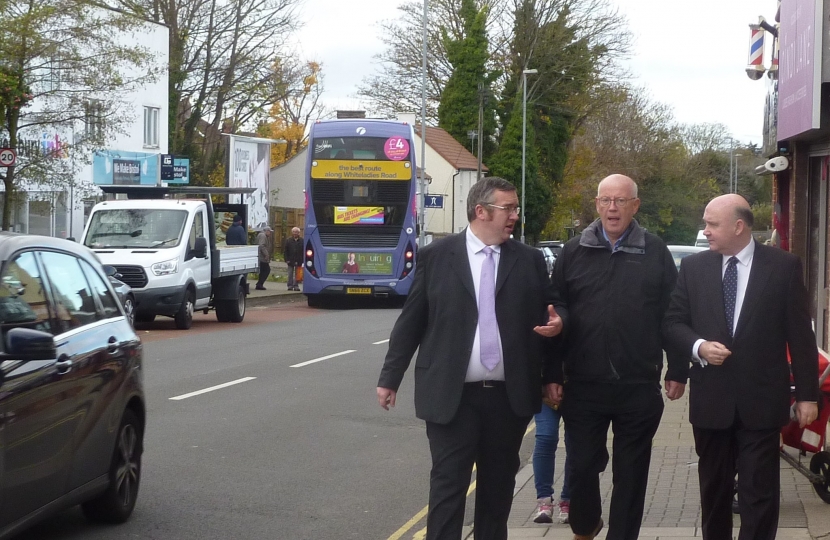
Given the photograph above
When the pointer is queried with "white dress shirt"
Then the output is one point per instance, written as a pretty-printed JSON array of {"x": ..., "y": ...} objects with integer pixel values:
[
  {"x": 743, "y": 267},
  {"x": 475, "y": 369}
]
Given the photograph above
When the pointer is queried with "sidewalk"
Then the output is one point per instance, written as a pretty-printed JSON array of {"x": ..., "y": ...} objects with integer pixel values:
[
  {"x": 672, "y": 508},
  {"x": 275, "y": 292}
]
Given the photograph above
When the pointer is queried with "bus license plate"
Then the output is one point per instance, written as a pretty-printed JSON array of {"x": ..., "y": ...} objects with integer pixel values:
[{"x": 358, "y": 290}]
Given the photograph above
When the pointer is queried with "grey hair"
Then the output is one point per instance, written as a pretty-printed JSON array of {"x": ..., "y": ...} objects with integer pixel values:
[
  {"x": 634, "y": 195},
  {"x": 482, "y": 193}
]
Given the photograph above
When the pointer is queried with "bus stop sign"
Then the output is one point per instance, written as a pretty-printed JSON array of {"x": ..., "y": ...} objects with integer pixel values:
[{"x": 433, "y": 201}]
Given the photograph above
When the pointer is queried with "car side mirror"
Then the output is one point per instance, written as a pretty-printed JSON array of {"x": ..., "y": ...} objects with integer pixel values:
[
  {"x": 200, "y": 248},
  {"x": 29, "y": 344},
  {"x": 109, "y": 270}
]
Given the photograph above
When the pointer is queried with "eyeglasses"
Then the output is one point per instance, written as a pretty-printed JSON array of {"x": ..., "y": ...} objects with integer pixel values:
[
  {"x": 619, "y": 201},
  {"x": 508, "y": 209}
]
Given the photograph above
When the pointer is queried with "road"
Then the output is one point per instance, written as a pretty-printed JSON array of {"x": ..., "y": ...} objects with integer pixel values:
[{"x": 294, "y": 449}]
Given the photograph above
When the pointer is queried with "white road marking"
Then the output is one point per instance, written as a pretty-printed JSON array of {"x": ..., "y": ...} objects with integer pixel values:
[
  {"x": 301, "y": 364},
  {"x": 212, "y": 388},
  {"x": 380, "y": 342}
]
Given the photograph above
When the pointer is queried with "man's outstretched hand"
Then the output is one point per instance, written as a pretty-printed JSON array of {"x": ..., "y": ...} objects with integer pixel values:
[{"x": 553, "y": 327}]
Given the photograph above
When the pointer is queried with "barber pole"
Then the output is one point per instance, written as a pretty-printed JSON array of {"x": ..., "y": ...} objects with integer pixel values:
[{"x": 755, "y": 69}]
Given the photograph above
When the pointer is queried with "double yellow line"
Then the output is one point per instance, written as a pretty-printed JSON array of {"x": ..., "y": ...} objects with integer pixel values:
[{"x": 419, "y": 535}]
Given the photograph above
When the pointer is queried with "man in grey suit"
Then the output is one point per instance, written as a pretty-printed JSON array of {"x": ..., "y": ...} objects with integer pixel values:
[
  {"x": 479, "y": 311},
  {"x": 736, "y": 311}
]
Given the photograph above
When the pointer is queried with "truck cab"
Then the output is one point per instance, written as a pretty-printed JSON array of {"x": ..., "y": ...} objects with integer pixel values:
[{"x": 165, "y": 250}]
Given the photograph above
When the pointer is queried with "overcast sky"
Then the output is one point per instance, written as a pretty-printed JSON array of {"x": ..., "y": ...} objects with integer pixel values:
[{"x": 690, "y": 55}]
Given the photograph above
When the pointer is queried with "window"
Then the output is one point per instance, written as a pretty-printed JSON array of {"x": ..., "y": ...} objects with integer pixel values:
[
  {"x": 74, "y": 300},
  {"x": 109, "y": 305},
  {"x": 22, "y": 298},
  {"x": 54, "y": 74},
  {"x": 94, "y": 119},
  {"x": 197, "y": 230},
  {"x": 151, "y": 126}
]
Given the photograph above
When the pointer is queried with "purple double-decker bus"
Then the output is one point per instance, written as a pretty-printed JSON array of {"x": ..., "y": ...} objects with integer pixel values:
[{"x": 360, "y": 233}]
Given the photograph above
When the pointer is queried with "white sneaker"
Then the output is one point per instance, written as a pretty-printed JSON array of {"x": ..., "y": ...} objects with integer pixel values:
[{"x": 544, "y": 510}]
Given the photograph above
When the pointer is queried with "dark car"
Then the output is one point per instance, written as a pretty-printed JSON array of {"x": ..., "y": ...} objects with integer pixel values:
[{"x": 72, "y": 410}]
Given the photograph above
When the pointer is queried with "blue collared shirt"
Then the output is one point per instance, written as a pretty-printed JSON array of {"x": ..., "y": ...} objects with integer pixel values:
[{"x": 619, "y": 241}]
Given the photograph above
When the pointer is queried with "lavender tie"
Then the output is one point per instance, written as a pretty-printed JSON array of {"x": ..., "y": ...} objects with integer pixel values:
[{"x": 488, "y": 327}]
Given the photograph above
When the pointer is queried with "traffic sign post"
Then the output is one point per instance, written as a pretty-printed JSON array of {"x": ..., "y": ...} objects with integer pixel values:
[{"x": 8, "y": 157}]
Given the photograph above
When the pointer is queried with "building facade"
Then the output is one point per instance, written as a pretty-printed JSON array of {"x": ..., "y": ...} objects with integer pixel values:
[
  {"x": 58, "y": 206},
  {"x": 797, "y": 127}
]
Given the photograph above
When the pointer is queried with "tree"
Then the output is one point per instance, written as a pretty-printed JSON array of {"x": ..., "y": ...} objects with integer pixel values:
[
  {"x": 222, "y": 76},
  {"x": 63, "y": 66},
  {"x": 467, "y": 88},
  {"x": 397, "y": 86},
  {"x": 289, "y": 117},
  {"x": 633, "y": 136},
  {"x": 571, "y": 54}
]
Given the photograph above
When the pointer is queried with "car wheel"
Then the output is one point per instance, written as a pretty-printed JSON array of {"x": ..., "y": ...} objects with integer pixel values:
[
  {"x": 184, "y": 317},
  {"x": 129, "y": 309},
  {"x": 116, "y": 503}
]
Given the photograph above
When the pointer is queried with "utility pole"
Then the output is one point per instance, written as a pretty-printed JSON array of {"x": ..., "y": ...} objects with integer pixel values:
[
  {"x": 423, "y": 183},
  {"x": 480, "y": 127}
]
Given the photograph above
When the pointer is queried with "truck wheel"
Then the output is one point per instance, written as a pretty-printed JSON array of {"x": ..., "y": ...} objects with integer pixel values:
[
  {"x": 236, "y": 308},
  {"x": 184, "y": 317},
  {"x": 222, "y": 311}
]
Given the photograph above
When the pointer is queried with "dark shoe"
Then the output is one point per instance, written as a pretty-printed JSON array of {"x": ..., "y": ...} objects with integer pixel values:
[
  {"x": 259, "y": 288},
  {"x": 297, "y": 289},
  {"x": 592, "y": 535}
]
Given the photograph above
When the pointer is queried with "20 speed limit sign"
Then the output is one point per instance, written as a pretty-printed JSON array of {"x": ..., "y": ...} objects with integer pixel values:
[{"x": 7, "y": 157}]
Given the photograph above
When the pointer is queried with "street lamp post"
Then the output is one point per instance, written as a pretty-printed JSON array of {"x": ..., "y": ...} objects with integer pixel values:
[{"x": 525, "y": 73}]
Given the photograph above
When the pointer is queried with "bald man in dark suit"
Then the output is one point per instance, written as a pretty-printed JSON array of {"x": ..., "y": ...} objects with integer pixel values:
[{"x": 736, "y": 310}]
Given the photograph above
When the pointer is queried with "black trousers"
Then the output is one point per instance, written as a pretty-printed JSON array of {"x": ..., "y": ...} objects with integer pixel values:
[
  {"x": 484, "y": 431},
  {"x": 633, "y": 411},
  {"x": 755, "y": 454},
  {"x": 264, "y": 271}
]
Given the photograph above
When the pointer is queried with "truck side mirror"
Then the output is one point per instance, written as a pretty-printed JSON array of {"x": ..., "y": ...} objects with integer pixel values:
[{"x": 200, "y": 248}]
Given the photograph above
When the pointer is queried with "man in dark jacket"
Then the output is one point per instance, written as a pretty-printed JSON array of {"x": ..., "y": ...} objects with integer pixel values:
[
  {"x": 614, "y": 283},
  {"x": 292, "y": 253},
  {"x": 236, "y": 235}
]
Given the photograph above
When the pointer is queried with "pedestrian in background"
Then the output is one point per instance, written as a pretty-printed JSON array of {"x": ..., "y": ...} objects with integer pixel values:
[
  {"x": 476, "y": 313},
  {"x": 613, "y": 282},
  {"x": 737, "y": 309},
  {"x": 292, "y": 253},
  {"x": 263, "y": 240},
  {"x": 544, "y": 465},
  {"x": 236, "y": 235}
]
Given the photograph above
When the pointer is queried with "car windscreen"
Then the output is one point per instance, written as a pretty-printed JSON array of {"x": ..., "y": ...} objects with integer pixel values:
[{"x": 135, "y": 229}]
